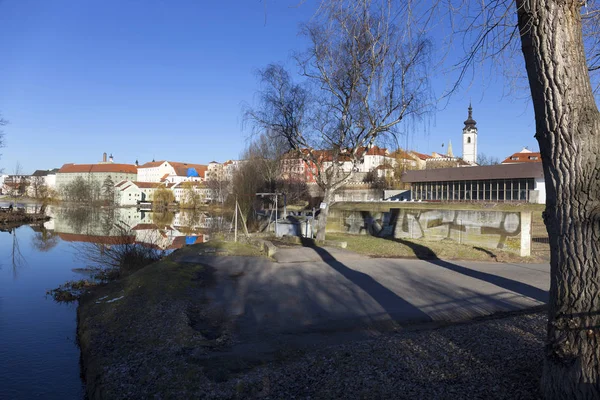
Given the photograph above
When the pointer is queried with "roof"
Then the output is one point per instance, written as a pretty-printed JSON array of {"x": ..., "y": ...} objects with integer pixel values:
[
  {"x": 153, "y": 185},
  {"x": 421, "y": 155},
  {"x": 97, "y": 168},
  {"x": 42, "y": 172},
  {"x": 141, "y": 227},
  {"x": 501, "y": 171},
  {"x": 152, "y": 164},
  {"x": 384, "y": 166},
  {"x": 110, "y": 240},
  {"x": 327, "y": 155},
  {"x": 403, "y": 155},
  {"x": 181, "y": 168},
  {"x": 524, "y": 156}
]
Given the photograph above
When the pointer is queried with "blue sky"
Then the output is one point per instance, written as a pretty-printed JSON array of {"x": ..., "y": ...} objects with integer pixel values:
[{"x": 166, "y": 79}]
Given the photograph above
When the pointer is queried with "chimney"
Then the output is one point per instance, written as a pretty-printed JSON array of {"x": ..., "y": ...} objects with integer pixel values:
[
  {"x": 110, "y": 158},
  {"x": 104, "y": 157}
]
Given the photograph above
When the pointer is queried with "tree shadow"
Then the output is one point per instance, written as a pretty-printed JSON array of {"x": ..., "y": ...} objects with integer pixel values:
[
  {"x": 425, "y": 253},
  {"x": 395, "y": 306}
]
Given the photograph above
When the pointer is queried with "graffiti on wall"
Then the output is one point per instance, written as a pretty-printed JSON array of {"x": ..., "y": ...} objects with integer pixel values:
[{"x": 492, "y": 229}]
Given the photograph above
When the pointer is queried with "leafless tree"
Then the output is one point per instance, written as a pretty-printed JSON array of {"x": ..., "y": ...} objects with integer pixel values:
[
  {"x": 362, "y": 76},
  {"x": 219, "y": 189},
  {"x": 483, "y": 159},
  {"x": 39, "y": 189}
]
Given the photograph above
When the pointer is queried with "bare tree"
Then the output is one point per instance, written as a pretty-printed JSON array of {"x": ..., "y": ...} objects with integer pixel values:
[
  {"x": 39, "y": 189},
  {"x": 362, "y": 77},
  {"x": 483, "y": 159}
]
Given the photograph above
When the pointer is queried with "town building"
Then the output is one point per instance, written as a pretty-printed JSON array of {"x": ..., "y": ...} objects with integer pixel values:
[
  {"x": 294, "y": 167},
  {"x": 131, "y": 193},
  {"x": 493, "y": 183},
  {"x": 95, "y": 174},
  {"x": 16, "y": 185},
  {"x": 230, "y": 167},
  {"x": 171, "y": 172},
  {"x": 469, "y": 142},
  {"x": 524, "y": 156}
]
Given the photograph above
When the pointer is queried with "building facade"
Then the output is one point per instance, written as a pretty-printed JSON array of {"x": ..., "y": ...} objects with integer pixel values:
[
  {"x": 94, "y": 173},
  {"x": 493, "y": 183},
  {"x": 171, "y": 171},
  {"x": 470, "y": 139}
]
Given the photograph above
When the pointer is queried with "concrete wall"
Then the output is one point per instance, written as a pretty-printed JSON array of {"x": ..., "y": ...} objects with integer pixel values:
[
  {"x": 510, "y": 231},
  {"x": 540, "y": 187},
  {"x": 352, "y": 192}
]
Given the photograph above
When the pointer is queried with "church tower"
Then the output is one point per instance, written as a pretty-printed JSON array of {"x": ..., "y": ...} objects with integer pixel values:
[{"x": 470, "y": 139}]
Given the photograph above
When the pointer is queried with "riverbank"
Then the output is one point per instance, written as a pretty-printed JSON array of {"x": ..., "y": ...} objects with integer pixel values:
[
  {"x": 193, "y": 327},
  {"x": 17, "y": 218},
  {"x": 137, "y": 333}
]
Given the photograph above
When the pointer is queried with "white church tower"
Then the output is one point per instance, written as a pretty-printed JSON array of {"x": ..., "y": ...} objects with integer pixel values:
[{"x": 470, "y": 139}]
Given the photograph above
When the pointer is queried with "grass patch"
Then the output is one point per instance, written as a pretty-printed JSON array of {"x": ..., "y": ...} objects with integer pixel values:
[
  {"x": 220, "y": 247},
  {"x": 411, "y": 248}
]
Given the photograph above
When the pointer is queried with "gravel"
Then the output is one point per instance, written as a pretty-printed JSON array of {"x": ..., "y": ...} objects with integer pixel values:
[{"x": 489, "y": 359}]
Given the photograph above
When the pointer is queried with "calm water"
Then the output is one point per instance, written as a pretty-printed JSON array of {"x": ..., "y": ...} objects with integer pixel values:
[{"x": 39, "y": 357}]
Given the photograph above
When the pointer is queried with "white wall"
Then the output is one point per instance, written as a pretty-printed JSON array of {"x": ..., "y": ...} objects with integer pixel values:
[
  {"x": 154, "y": 174},
  {"x": 540, "y": 186}
]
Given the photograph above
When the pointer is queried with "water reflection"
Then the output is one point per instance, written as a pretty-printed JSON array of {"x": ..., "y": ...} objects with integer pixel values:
[{"x": 164, "y": 230}]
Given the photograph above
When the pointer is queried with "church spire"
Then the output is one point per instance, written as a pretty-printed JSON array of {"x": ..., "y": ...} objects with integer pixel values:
[{"x": 470, "y": 122}]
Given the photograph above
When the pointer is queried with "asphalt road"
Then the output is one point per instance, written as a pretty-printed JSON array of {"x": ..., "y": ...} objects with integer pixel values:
[{"x": 331, "y": 289}]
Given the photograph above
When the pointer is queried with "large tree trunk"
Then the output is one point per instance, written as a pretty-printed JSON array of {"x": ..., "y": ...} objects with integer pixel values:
[
  {"x": 322, "y": 221},
  {"x": 568, "y": 131}
]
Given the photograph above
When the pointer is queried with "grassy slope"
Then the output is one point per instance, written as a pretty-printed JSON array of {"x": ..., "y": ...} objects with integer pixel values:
[
  {"x": 152, "y": 337},
  {"x": 406, "y": 248}
]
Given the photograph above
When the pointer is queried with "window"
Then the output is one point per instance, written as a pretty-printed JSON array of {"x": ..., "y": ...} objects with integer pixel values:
[
  {"x": 514, "y": 158},
  {"x": 533, "y": 157},
  {"x": 469, "y": 139}
]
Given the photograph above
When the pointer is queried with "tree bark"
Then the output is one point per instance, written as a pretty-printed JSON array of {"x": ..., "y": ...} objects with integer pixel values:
[
  {"x": 568, "y": 132},
  {"x": 322, "y": 221}
]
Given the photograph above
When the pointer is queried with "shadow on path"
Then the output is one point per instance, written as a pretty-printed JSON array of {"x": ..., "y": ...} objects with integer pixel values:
[
  {"x": 395, "y": 306},
  {"x": 506, "y": 283}
]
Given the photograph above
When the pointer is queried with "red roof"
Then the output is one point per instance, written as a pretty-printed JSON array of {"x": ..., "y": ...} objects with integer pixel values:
[
  {"x": 421, "y": 155},
  {"x": 327, "y": 155},
  {"x": 181, "y": 169},
  {"x": 403, "y": 155},
  {"x": 142, "y": 227},
  {"x": 110, "y": 240},
  {"x": 152, "y": 164},
  {"x": 523, "y": 157},
  {"x": 96, "y": 168},
  {"x": 153, "y": 185}
]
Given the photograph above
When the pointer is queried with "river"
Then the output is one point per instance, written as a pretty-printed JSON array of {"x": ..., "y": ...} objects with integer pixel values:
[{"x": 39, "y": 357}]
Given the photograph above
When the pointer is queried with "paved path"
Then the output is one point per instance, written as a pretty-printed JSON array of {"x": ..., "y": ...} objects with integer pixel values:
[{"x": 333, "y": 289}]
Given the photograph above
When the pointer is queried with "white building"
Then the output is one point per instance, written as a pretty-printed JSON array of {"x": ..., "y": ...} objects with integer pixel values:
[
  {"x": 171, "y": 171},
  {"x": 230, "y": 167},
  {"x": 470, "y": 139},
  {"x": 131, "y": 193},
  {"x": 95, "y": 173}
]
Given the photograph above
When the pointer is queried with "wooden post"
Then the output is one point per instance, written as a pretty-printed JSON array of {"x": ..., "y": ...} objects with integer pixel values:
[{"x": 236, "y": 214}]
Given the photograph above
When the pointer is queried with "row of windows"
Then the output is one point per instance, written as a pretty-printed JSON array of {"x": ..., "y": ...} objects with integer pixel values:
[{"x": 477, "y": 190}]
